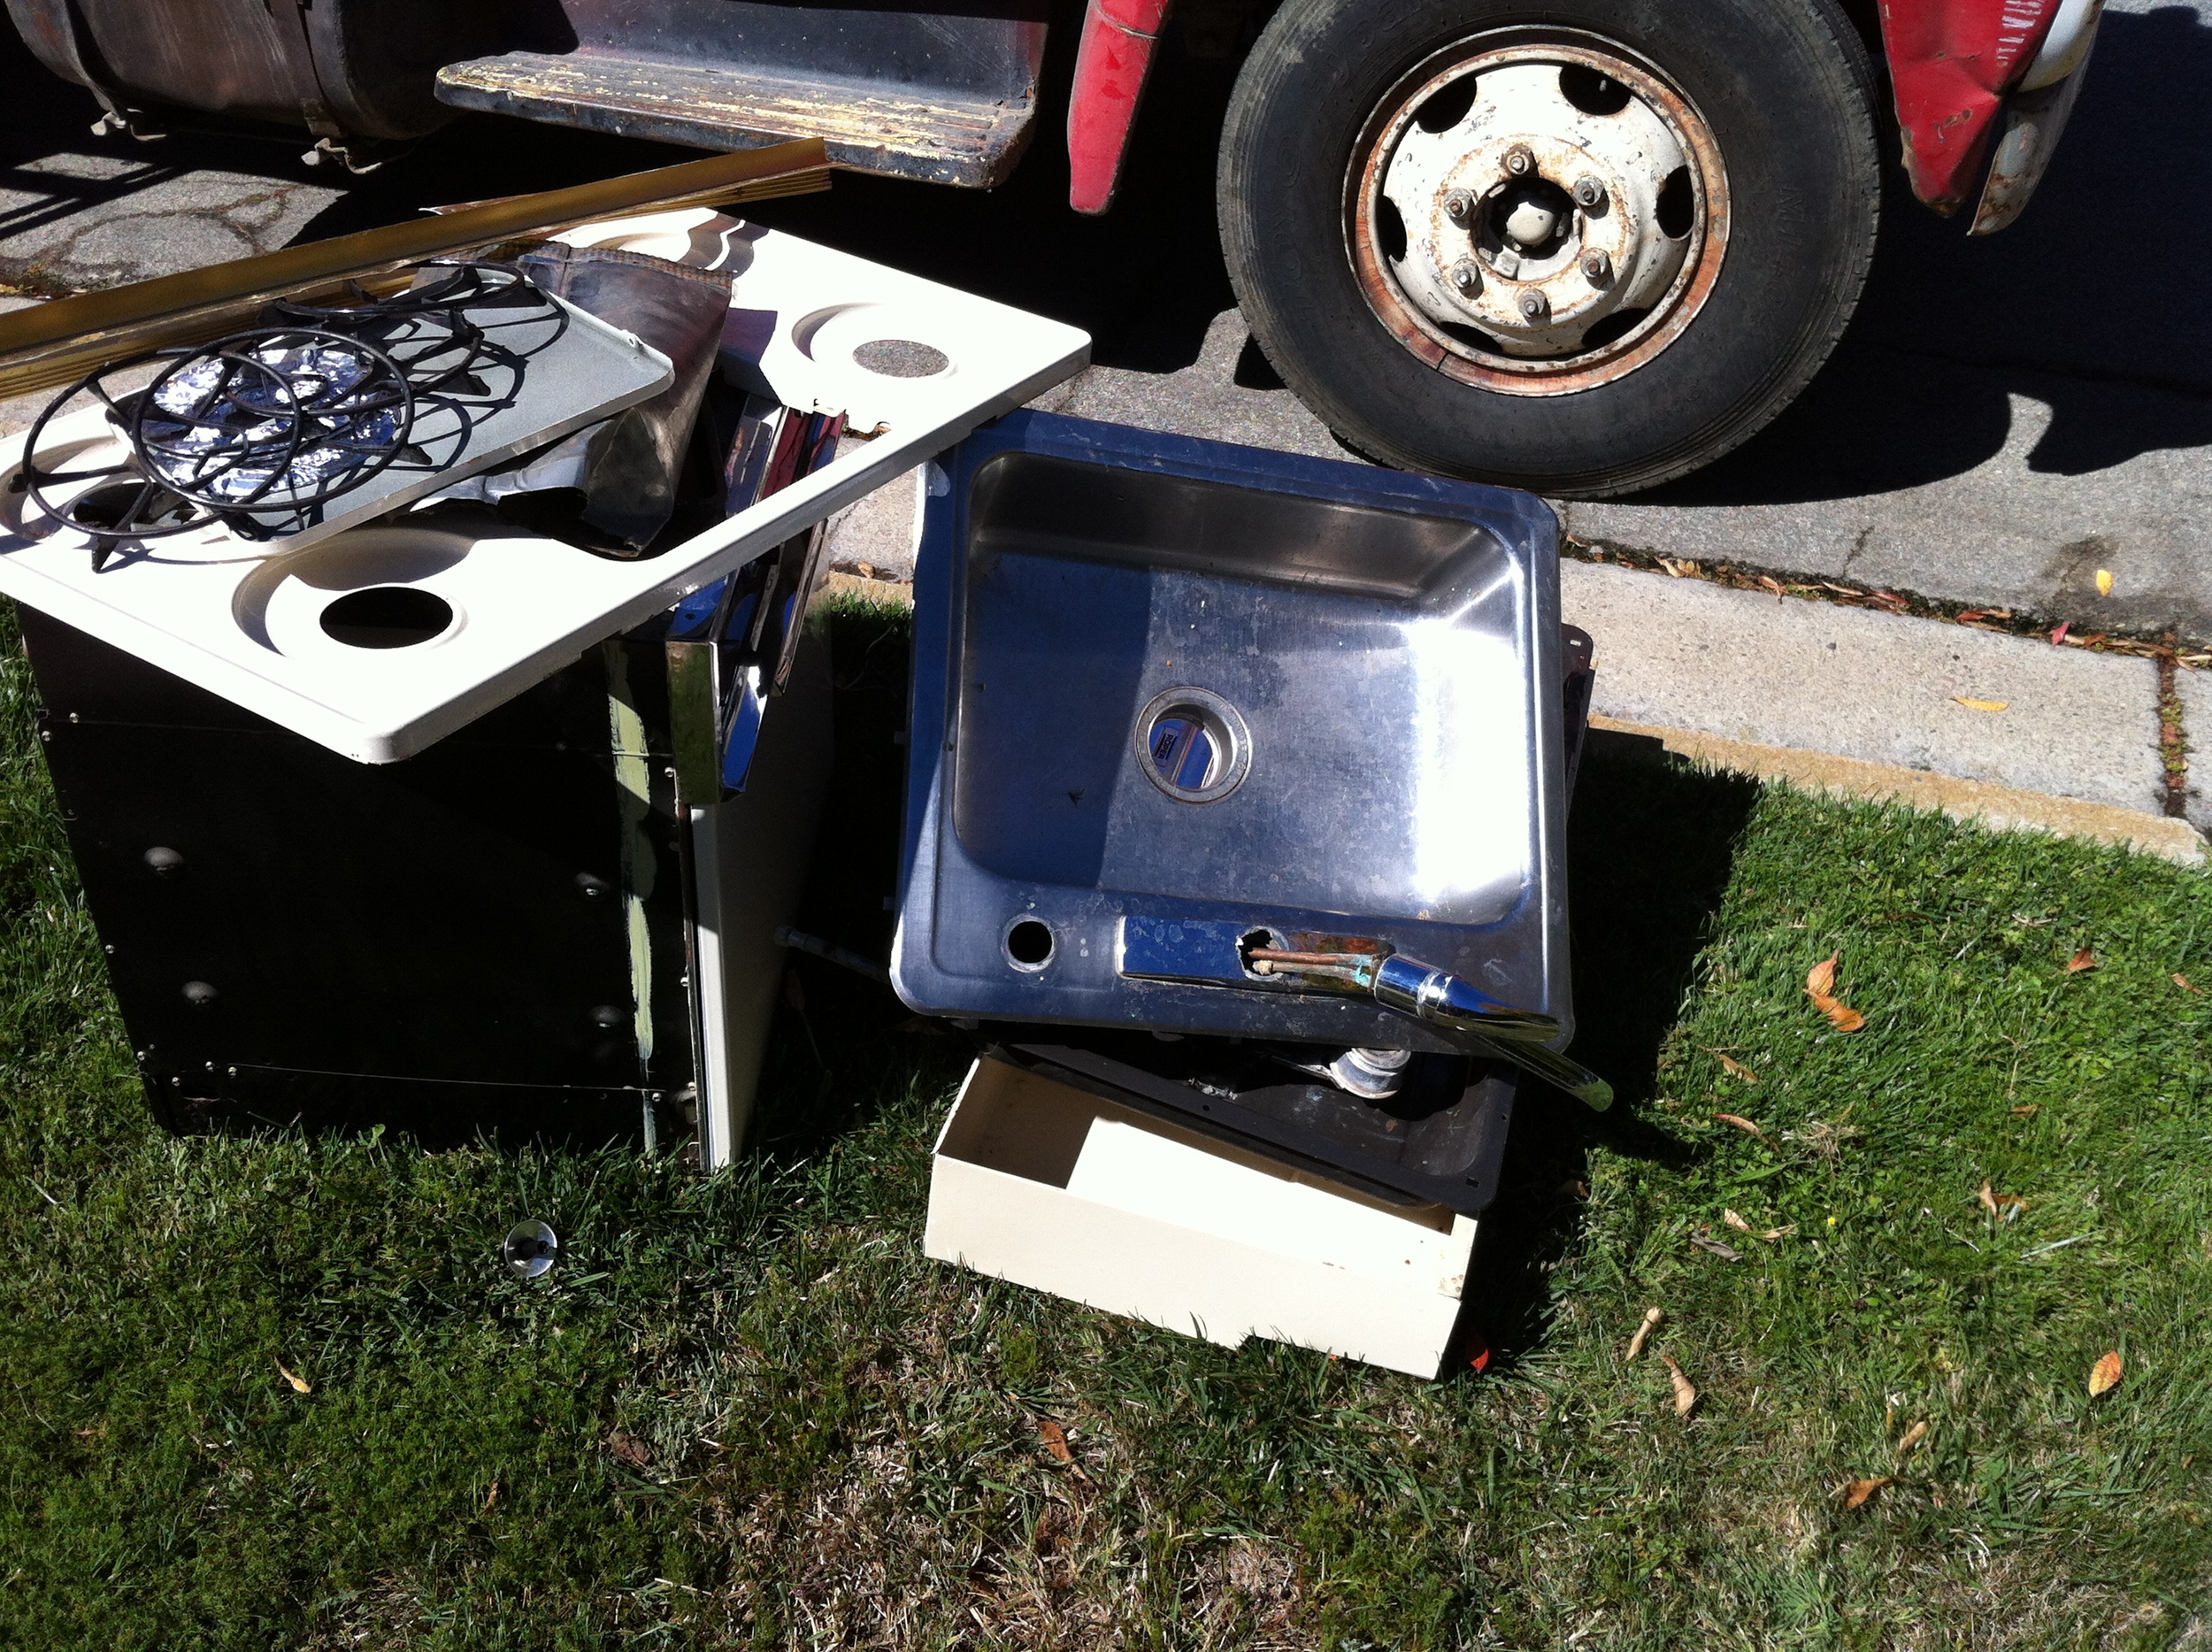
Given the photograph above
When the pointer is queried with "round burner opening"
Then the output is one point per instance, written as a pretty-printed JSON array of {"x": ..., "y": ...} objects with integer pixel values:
[
  {"x": 901, "y": 358},
  {"x": 387, "y": 617},
  {"x": 1193, "y": 745}
]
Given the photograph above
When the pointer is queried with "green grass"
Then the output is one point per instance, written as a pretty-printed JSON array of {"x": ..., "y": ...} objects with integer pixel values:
[{"x": 744, "y": 1410}]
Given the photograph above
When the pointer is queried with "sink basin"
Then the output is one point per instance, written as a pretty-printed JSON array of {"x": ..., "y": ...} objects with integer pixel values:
[{"x": 1161, "y": 682}]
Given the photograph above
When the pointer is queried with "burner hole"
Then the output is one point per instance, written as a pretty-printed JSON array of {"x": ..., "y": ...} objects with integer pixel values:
[
  {"x": 1029, "y": 945},
  {"x": 387, "y": 616},
  {"x": 901, "y": 359},
  {"x": 114, "y": 507}
]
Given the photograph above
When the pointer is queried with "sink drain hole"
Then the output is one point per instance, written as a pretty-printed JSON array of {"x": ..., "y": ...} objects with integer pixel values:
[
  {"x": 387, "y": 616},
  {"x": 1029, "y": 945},
  {"x": 1193, "y": 745}
]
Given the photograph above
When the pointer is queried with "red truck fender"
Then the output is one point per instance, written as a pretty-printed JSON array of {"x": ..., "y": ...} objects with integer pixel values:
[
  {"x": 1951, "y": 64},
  {"x": 1111, "y": 65}
]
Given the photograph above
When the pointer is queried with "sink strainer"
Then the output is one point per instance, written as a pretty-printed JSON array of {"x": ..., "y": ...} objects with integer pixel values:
[{"x": 1193, "y": 745}]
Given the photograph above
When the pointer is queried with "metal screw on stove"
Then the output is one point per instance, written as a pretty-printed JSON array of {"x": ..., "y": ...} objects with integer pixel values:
[
  {"x": 1534, "y": 307},
  {"x": 1520, "y": 162},
  {"x": 1467, "y": 279},
  {"x": 1589, "y": 193},
  {"x": 1597, "y": 267},
  {"x": 1459, "y": 205}
]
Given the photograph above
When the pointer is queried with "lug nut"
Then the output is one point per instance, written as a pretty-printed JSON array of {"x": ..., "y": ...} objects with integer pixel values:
[
  {"x": 1597, "y": 267},
  {"x": 1520, "y": 162},
  {"x": 1533, "y": 307},
  {"x": 1589, "y": 193},
  {"x": 1467, "y": 278},
  {"x": 1459, "y": 206}
]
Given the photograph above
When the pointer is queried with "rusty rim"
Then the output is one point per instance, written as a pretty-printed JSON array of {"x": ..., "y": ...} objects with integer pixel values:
[{"x": 1495, "y": 360}]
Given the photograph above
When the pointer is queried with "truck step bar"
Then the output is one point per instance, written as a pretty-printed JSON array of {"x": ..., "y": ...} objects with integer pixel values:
[{"x": 935, "y": 133}]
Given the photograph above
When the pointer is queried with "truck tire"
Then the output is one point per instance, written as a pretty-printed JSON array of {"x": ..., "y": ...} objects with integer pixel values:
[{"x": 1580, "y": 247}]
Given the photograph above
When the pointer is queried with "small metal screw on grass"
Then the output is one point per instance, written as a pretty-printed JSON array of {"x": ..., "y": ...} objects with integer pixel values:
[{"x": 530, "y": 1249}]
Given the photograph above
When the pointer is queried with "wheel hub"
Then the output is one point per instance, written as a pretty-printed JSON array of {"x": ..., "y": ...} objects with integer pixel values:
[{"x": 1533, "y": 212}]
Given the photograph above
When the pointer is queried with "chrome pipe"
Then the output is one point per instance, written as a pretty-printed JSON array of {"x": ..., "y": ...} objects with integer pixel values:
[{"x": 1442, "y": 999}]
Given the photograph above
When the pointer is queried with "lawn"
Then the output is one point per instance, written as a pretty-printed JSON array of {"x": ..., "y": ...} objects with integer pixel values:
[{"x": 744, "y": 1410}]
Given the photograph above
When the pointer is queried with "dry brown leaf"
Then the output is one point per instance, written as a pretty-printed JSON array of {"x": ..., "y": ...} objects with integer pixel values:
[
  {"x": 1685, "y": 1390},
  {"x": 1846, "y": 1018},
  {"x": 2027, "y": 1110},
  {"x": 1858, "y": 1491},
  {"x": 1913, "y": 1435},
  {"x": 1741, "y": 1123},
  {"x": 2104, "y": 1376},
  {"x": 2082, "y": 960},
  {"x": 1735, "y": 1221},
  {"x": 1981, "y": 705},
  {"x": 1820, "y": 986},
  {"x": 1773, "y": 1233},
  {"x": 492, "y": 1496},
  {"x": 628, "y": 1448},
  {"x": 2104, "y": 581},
  {"x": 1736, "y": 1069},
  {"x": 2182, "y": 981},
  {"x": 1988, "y": 1197},
  {"x": 1652, "y": 1317},
  {"x": 1726, "y": 1253},
  {"x": 300, "y": 1385},
  {"x": 1056, "y": 1439}
]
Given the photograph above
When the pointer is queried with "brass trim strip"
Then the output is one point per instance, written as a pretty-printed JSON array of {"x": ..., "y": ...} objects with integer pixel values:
[{"x": 49, "y": 344}]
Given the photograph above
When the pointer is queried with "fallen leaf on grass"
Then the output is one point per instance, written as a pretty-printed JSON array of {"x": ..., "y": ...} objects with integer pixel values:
[
  {"x": 2104, "y": 1376},
  {"x": 1652, "y": 1317},
  {"x": 2027, "y": 1110},
  {"x": 2002, "y": 1206},
  {"x": 1820, "y": 985},
  {"x": 2182, "y": 981},
  {"x": 1741, "y": 1123},
  {"x": 1981, "y": 705},
  {"x": 1685, "y": 1390},
  {"x": 2082, "y": 960},
  {"x": 1858, "y": 1491},
  {"x": 1913, "y": 1435},
  {"x": 492, "y": 1496},
  {"x": 1772, "y": 584},
  {"x": 2104, "y": 581},
  {"x": 300, "y": 1385},
  {"x": 1726, "y": 1253},
  {"x": 1736, "y": 1069},
  {"x": 628, "y": 1448},
  {"x": 1735, "y": 1221},
  {"x": 1056, "y": 1439}
]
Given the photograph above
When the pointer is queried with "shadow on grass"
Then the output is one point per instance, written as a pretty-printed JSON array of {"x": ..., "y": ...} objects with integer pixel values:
[{"x": 1651, "y": 841}]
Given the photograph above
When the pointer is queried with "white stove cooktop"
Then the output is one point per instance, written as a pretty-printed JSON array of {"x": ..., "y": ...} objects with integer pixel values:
[{"x": 917, "y": 363}]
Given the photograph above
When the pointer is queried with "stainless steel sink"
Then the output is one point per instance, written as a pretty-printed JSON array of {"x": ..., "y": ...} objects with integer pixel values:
[{"x": 1171, "y": 692}]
